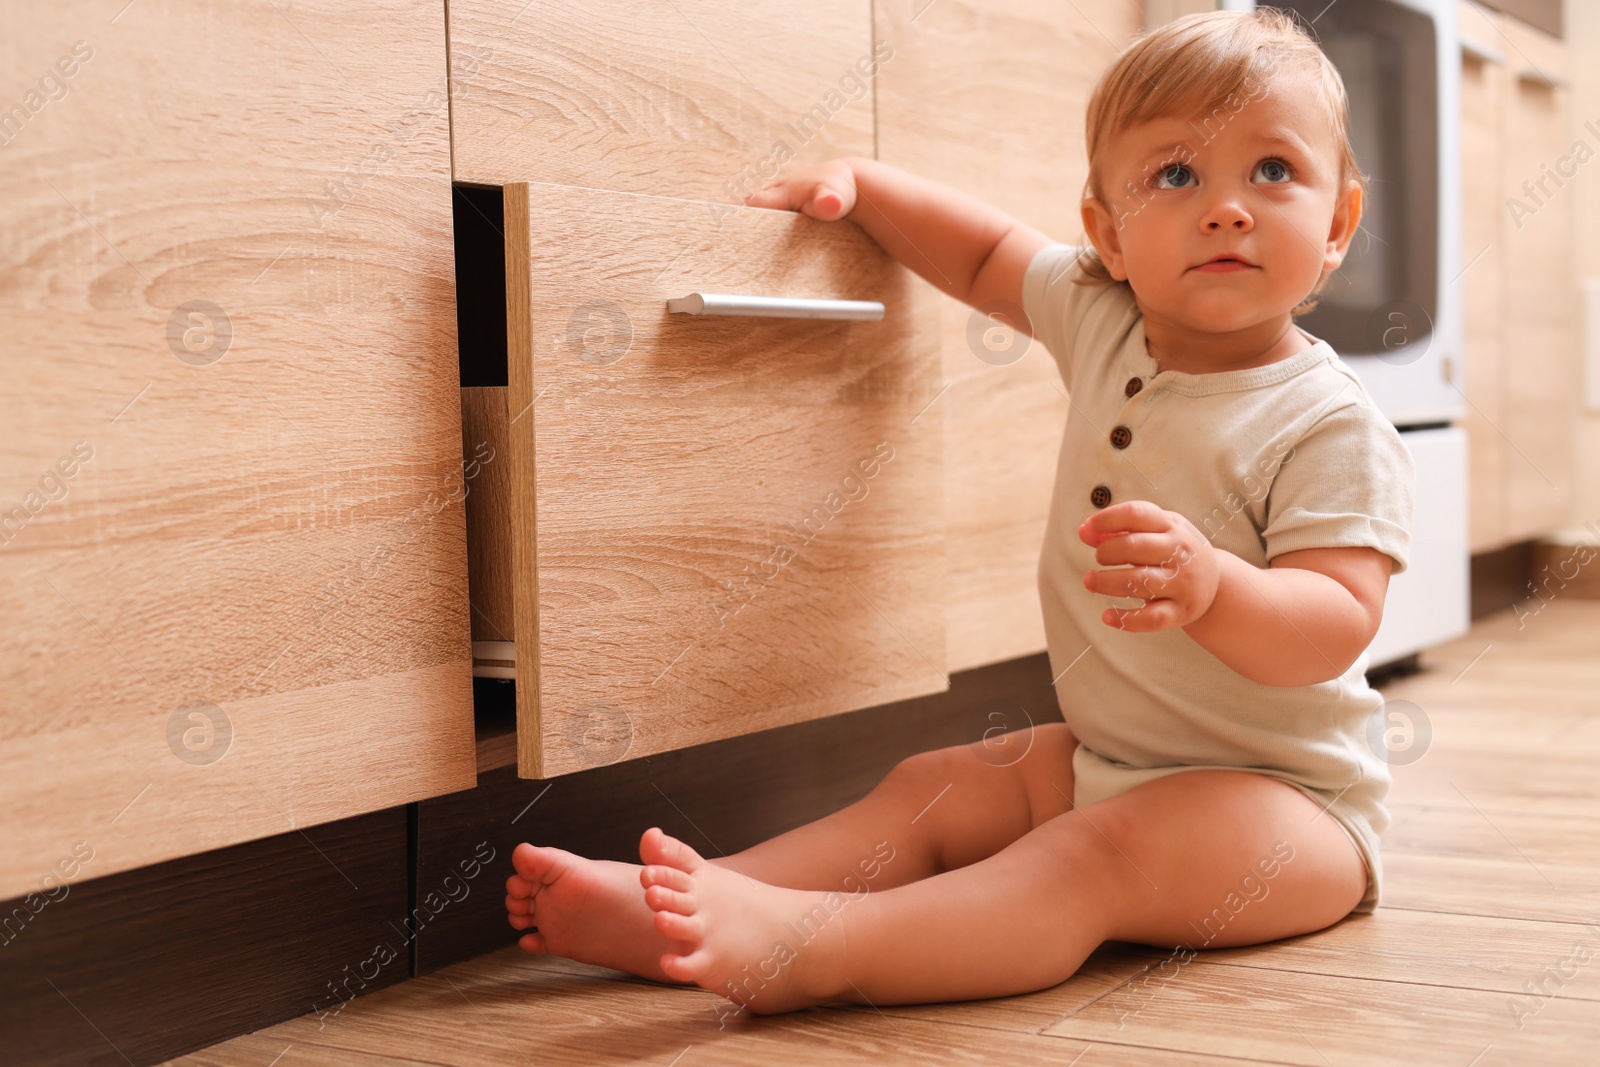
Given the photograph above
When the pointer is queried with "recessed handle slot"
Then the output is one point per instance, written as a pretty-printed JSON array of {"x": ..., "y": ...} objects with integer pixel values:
[{"x": 775, "y": 307}]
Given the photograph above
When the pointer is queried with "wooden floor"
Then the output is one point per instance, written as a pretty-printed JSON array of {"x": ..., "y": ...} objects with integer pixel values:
[{"x": 1485, "y": 953}]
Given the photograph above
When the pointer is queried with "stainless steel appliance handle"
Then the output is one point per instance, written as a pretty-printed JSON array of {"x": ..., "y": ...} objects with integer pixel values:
[{"x": 775, "y": 307}]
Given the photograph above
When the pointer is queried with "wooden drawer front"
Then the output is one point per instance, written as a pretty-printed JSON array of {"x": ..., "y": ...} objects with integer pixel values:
[
  {"x": 695, "y": 98},
  {"x": 990, "y": 98},
  {"x": 716, "y": 525},
  {"x": 228, "y": 416}
]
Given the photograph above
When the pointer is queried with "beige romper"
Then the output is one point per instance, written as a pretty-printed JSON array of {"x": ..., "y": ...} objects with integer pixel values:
[{"x": 1264, "y": 460}]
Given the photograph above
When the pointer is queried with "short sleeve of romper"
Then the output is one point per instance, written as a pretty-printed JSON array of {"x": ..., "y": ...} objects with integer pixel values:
[{"x": 1265, "y": 461}]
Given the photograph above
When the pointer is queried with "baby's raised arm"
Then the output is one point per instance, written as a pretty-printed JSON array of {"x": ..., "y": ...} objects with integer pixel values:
[{"x": 968, "y": 248}]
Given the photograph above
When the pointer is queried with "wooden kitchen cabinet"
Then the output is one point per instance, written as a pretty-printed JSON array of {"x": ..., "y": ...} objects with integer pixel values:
[
  {"x": 1484, "y": 84},
  {"x": 990, "y": 98},
  {"x": 702, "y": 99},
  {"x": 233, "y": 547},
  {"x": 688, "y": 527},
  {"x": 1520, "y": 340}
]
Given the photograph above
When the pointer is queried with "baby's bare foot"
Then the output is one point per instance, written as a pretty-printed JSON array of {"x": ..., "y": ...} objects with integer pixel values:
[
  {"x": 592, "y": 911},
  {"x": 762, "y": 947}
]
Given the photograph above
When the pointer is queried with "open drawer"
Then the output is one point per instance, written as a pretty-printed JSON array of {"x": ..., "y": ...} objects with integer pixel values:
[{"x": 684, "y": 527}]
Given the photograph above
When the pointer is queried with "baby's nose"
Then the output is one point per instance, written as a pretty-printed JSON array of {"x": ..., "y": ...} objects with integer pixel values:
[
  {"x": 1226, "y": 210},
  {"x": 1226, "y": 216}
]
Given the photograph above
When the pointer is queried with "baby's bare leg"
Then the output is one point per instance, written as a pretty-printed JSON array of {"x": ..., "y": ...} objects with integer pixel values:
[
  {"x": 1153, "y": 865},
  {"x": 937, "y": 811},
  {"x": 1149, "y": 866}
]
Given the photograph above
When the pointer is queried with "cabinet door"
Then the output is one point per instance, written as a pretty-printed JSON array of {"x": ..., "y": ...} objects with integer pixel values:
[
  {"x": 709, "y": 526},
  {"x": 233, "y": 555},
  {"x": 990, "y": 98},
  {"x": 1484, "y": 78},
  {"x": 1540, "y": 355},
  {"x": 704, "y": 99}
]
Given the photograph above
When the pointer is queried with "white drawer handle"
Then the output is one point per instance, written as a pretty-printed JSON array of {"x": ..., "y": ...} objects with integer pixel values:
[{"x": 775, "y": 307}]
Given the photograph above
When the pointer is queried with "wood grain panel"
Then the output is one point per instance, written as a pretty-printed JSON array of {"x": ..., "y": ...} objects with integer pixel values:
[
  {"x": 1483, "y": 101},
  {"x": 718, "y": 525},
  {"x": 990, "y": 98},
  {"x": 1540, "y": 355},
  {"x": 484, "y": 429},
  {"x": 231, "y": 447},
  {"x": 704, "y": 99}
]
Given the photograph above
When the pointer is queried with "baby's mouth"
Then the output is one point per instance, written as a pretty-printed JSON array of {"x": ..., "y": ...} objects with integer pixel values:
[{"x": 1225, "y": 265}]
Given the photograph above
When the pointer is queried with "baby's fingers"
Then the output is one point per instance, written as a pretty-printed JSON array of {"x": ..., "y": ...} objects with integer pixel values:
[
  {"x": 825, "y": 191},
  {"x": 1129, "y": 516},
  {"x": 1146, "y": 583},
  {"x": 1156, "y": 615}
]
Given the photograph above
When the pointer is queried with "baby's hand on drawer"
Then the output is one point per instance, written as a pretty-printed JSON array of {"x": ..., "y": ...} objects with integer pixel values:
[
  {"x": 825, "y": 191},
  {"x": 1174, "y": 569}
]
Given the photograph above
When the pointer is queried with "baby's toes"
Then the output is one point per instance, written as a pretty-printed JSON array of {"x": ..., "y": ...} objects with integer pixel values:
[
  {"x": 537, "y": 866},
  {"x": 518, "y": 886},
  {"x": 688, "y": 968},
  {"x": 670, "y": 877},
  {"x": 688, "y": 928},
  {"x": 519, "y": 913},
  {"x": 540, "y": 866},
  {"x": 659, "y": 848},
  {"x": 532, "y": 943},
  {"x": 660, "y": 898}
]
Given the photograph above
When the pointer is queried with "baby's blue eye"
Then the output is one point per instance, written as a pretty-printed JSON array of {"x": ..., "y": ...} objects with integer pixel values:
[
  {"x": 1276, "y": 170},
  {"x": 1175, "y": 173}
]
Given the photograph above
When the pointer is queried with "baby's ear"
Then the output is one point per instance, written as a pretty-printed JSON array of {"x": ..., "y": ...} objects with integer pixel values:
[
  {"x": 1101, "y": 227},
  {"x": 1346, "y": 220}
]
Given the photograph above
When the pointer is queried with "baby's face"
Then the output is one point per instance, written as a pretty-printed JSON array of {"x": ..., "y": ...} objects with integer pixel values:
[{"x": 1260, "y": 183}]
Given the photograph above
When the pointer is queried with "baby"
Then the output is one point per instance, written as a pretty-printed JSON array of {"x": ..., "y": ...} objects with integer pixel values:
[{"x": 1224, "y": 482}]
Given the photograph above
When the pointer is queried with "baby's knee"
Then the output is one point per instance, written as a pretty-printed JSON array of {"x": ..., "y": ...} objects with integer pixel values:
[
  {"x": 922, "y": 769},
  {"x": 978, "y": 768}
]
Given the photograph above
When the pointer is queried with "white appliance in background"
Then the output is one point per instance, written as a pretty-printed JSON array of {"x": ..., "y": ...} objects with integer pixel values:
[
  {"x": 1393, "y": 310},
  {"x": 1429, "y": 603}
]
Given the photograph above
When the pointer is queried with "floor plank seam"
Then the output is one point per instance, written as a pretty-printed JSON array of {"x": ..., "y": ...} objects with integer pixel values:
[
  {"x": 1378, "y": 978},
  {"x": 1587, "y": 923},
  {"x": 1095, "y": 1000},
  {"x": 1224, "y": 1056}
]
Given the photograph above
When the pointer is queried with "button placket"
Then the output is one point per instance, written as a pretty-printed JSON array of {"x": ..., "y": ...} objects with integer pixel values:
[{"x": 1121, "y": 437}]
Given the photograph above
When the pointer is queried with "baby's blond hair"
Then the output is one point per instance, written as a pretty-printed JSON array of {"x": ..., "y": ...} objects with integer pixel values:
[{"x": 1194, "y": 67}]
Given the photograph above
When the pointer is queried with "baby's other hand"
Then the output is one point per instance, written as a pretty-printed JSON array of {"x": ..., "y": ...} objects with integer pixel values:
[
  {"x": 825, "y": 191},
  {"x": 1174, "y": 569}
]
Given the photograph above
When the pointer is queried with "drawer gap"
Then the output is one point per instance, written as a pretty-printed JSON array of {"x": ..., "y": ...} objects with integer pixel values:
[{"x": 480, "y": 283}]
